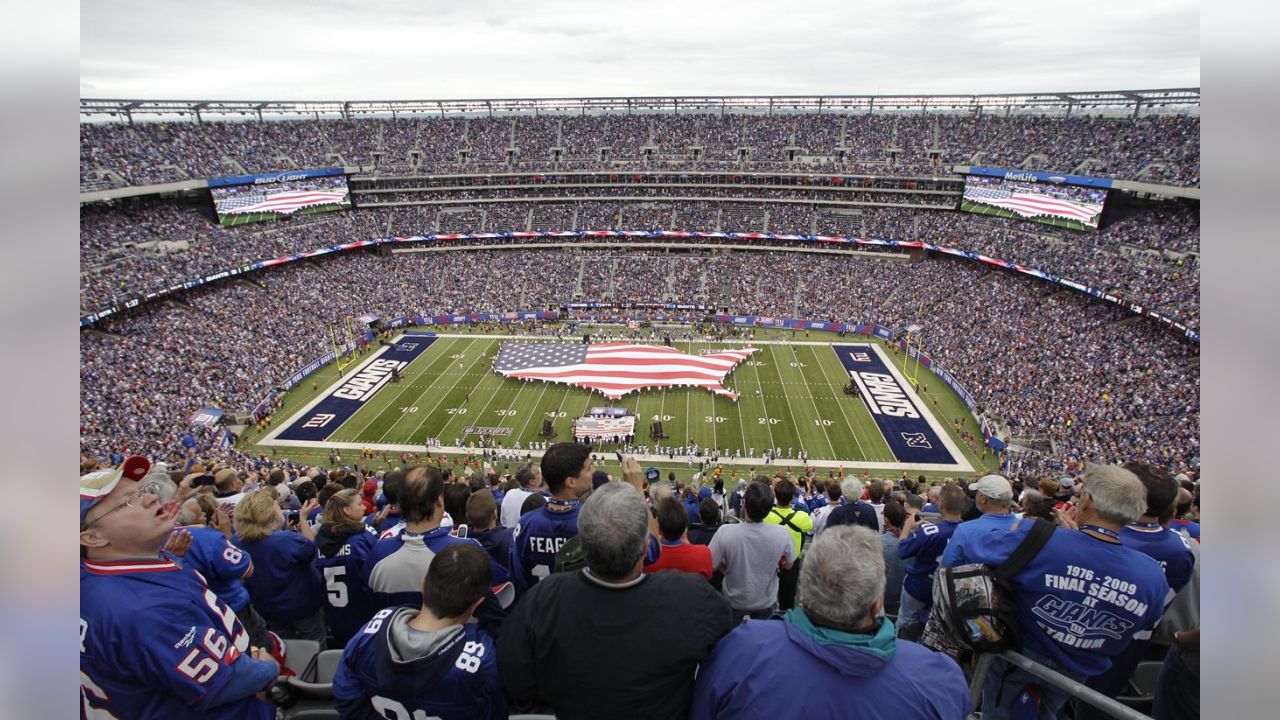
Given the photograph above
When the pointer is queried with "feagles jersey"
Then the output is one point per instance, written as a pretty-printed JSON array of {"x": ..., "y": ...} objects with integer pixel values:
[
  {"x": 537, "y": 537},
  {"x": 394, "y": 569},
  {"x": 221, "y": 563},
  {"x": 156, "y": 642},
  {"x": 921, "y": 549},
  {"x": 1081, "y": 600},
  {"x": 348, "y": 601},
  {"x": 459, "y": 679},
  {"x": 286, "y": 584},
  {"x": 1171, "y": 549}
]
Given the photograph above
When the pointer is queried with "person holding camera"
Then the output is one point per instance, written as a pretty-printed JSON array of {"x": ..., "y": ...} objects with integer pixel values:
[{"x": 286, "y": 587}]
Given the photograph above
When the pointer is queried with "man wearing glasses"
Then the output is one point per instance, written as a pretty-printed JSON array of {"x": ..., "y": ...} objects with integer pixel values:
[{"x": 155, "y": 642}]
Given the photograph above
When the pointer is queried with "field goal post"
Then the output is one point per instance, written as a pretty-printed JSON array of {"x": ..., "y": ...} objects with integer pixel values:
[
  {"x": 343, "y": 352},
  {"x": 911, "y": 371}
]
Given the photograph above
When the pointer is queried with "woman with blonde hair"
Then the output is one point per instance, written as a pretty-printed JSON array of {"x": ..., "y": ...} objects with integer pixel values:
[
  {"x": 344, "y": 541},
  {"x": 286, "y": 588}
]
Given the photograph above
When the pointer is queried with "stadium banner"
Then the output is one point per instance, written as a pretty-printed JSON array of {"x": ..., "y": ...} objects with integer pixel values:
[
  {"x": 206, "y": 417},
  {"x": 607, "y": 412},
  {"x": 909, "y": 435},
  {"x": 326, "y": 416},
  {"x": 1033, "y": 176},
  {"x": 275, "y": 177}
]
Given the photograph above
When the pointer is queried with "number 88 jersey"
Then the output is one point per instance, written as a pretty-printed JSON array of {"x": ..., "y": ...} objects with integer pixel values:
[{"x": 456, "y": 677}]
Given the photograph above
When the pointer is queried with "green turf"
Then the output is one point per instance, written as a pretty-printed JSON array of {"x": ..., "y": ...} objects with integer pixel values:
[{"x": 801, "y": 404}]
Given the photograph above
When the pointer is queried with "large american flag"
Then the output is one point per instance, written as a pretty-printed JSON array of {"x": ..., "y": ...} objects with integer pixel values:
[
  {"x": 615, "y": 369},
  {"x": 1033, "y": 204},
  {"x": 284, "y": 203}
]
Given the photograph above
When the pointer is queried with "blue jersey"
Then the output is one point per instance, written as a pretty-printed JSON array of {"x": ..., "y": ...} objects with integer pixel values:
[
  {"x": 156, "y": 642},
  {"x": 497, "y": 542},
  {"x": 391, "y": 520},
  {"x": 1171, "y": 549},
  {"x": 286, "y": 583},
  {"x": 957, "y": 553},
  {"x": 922, "y": 548},
  {"x": 537, "y": 537},
  {"x": 221, "y": 563},
  {"x": 348, "y": 602},
  {"x": 459, "y": 679},
  {"x": 1081, "y": 600}
]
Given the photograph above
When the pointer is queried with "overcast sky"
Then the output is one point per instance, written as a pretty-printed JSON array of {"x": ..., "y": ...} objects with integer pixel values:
[{"x": 424, "y": 49}]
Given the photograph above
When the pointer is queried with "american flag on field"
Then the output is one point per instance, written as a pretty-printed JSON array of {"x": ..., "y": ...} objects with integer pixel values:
[
  {"x": 1032, "y": 204},
  {"x": 615, "y": 369},
  {"x": 284, "y": 203}
]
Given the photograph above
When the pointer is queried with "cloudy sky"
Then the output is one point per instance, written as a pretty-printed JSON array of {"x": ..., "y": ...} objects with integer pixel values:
[{"x": 425, "y": 49}]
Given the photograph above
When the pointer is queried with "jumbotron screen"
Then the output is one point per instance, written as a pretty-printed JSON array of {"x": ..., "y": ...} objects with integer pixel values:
[
  {"x": 1079, "y": 208},
  {"x": 239, "y": 204}
]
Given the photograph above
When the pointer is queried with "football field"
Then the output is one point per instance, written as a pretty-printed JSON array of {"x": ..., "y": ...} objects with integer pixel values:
[{"x": 790, "y": 398}]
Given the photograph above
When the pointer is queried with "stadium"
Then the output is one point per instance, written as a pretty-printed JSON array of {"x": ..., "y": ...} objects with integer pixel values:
[{"x": 886, "y": 287}]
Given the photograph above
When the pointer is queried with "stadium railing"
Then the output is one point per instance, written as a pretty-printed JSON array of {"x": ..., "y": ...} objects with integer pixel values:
[{"x": 1077, "y": 690}]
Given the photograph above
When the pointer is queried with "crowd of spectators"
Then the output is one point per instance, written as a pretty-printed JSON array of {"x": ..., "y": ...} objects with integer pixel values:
[
  {"x": 1044, "y": 360},
  {"x": 684, "y": 600},
  {"x": 1149, "y": 256},
  {"x": 1155, "y": 148}
]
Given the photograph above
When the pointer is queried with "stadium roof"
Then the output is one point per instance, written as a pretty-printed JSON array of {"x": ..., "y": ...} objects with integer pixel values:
[{"x": 1133, "y": 101}]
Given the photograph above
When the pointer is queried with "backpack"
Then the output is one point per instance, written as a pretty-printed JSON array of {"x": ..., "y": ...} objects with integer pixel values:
[
  {"x": 570, "y": 557},
  {"x": 973, "y": 605}
]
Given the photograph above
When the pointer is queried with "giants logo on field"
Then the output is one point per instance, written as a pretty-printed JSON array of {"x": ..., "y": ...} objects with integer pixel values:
[
  {"x": 369, "y": 380},
  {"x": 883, "y": 395}
]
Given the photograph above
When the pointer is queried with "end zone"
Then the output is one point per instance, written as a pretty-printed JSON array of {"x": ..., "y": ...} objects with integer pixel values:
[
  {"x": 913, "y": 434},
  {"x": 322, "y": 417}
]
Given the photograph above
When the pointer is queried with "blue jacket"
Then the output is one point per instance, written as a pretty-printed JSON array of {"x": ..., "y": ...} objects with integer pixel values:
[{"x": 841, "y": 675}]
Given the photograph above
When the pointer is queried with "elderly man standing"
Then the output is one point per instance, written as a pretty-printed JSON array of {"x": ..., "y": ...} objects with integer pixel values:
[
  {"x": 608, "y": 640},
  {"x": 1082, "y": 600},
  {"x": 840, "y": 653},
  {"x": 155, "y": 641}
]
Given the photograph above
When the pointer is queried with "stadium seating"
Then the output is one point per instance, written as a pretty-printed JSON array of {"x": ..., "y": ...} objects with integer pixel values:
[{"x": 1163, "y": 149}]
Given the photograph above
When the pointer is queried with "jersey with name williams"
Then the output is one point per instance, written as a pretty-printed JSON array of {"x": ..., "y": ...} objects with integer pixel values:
[
  {"x": 1081, "y": 600},
  {"x": 459, "y": 679},
  {"x": 1171, "y": 549},
  {"x": 537, "y": 537},
  {"x": 156, "y": 642},
  {"x": 348, "y": 602}
]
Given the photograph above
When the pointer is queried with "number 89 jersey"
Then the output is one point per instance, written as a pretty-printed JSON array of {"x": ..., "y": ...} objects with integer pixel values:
[
  {"x": 455, "y": 678},
  {"x": 156, "y": 642}
]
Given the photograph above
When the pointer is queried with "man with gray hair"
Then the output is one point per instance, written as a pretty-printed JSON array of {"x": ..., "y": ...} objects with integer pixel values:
[
  {"x": 855, "y": 511},
  {"x": 608, "y": 640},
  {"x": 1082, "y": 599},
  {"x": 836, "y": 644}
]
